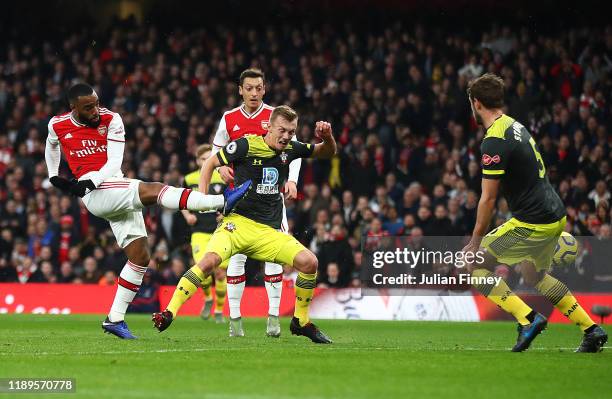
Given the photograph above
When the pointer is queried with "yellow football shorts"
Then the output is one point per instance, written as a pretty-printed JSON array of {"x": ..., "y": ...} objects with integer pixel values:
[
  {"x": 240, "y": 235},
  {"x": 516, "y": 241},
  {"x": 199, "y": 241}
]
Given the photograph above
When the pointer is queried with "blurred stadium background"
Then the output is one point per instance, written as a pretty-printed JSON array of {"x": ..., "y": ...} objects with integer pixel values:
[{"x": 389, "y": 75}]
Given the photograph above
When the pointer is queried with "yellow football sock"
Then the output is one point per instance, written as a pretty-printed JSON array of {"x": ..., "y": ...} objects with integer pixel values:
[
  {"x": 304, "y": 289},
  {"x": 560, "y": 296},
  {"x": 503, "y": 297},
  {"x": 206, "y": 284},
  {"x": 220, "y": 290},
  {"x": 186, "y": 287}
]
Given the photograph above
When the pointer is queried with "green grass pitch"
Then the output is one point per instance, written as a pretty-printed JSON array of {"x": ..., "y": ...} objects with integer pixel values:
[{"x": 196, "y": 359}]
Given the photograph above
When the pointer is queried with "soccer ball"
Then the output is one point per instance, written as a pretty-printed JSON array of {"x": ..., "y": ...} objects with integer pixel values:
[{"x": 566, "y": 250}]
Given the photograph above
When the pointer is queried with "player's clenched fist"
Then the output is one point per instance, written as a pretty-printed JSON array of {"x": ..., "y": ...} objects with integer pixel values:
[{"x": 323, "y": 130}]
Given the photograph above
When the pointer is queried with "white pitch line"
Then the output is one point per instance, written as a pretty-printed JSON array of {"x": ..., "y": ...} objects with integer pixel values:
[{"x": 327, "y": 348}]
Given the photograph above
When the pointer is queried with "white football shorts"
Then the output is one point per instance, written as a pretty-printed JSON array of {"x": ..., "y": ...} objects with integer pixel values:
[{"x": 117, "y": 201}]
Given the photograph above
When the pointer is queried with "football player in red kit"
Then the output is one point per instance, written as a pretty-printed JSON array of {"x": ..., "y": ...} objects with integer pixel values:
[{"x": 93, "y": 139}]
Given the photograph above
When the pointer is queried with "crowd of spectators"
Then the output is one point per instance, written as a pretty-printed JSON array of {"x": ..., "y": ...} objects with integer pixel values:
[{"x": 408, "y": 159}]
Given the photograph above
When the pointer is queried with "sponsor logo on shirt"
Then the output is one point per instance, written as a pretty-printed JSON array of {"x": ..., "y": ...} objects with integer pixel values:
[{"x": 488, "y": 160}]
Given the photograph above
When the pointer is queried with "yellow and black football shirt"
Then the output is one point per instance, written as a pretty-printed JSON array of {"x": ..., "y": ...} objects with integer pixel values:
[
  {"x": 268, "y": 169},
  {"x": 509, "y": 153},
  {"x": 207, "y": 221}
]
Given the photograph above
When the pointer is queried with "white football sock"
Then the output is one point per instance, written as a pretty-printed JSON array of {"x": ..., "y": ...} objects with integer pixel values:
[
  {"x": 274, "y": 286},
  {"x": 236, "y": 281},
  {"x": 176, "y": 198},
  {"x": 128, "y": 284}
]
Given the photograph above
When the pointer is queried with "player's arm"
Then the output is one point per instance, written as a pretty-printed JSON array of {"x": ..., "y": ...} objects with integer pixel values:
[
  {"x": 494, "y": 162},
  {"x": 222, "y": 139},
  {"x": 53, "y": 157},
  {"x": 228, "y": 154},
  {"x": 327, "y": 148},
  {"x": 294, "y": 175},
  {"x": 486, "y": 206},
  {"x": 114, "y": 151}
]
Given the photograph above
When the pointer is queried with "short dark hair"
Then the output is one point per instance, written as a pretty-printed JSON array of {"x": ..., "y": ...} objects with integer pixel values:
[
  {"x": 488, "y": 89},
  {"x": 79, "y": 90},
  {"x": 251, "y": 73},
  {"x": 288, "y": 113}
]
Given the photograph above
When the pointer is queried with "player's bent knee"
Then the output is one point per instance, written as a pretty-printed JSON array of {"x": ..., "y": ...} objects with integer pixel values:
[
  {"x": 209, "y": 262},
  {"x": 306, "y": 262},
  {"x": 138, "y": 252},
  {"x": 148, "y": 192}
]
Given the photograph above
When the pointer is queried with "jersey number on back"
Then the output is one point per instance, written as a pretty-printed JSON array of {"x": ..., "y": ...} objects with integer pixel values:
[{"x": 541, "y": 167}]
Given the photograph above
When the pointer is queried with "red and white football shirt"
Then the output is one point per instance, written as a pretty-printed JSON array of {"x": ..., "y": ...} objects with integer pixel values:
[
  {"x": 84, "y": 147},
  {"x": 237, "y": 122}
]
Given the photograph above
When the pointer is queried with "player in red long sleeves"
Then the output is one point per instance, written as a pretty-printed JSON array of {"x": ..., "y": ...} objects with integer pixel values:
[{"x": 93, "y": 139}]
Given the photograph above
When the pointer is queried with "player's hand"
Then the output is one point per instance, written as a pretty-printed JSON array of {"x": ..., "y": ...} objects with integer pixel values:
[
  {"x": 191, "y": 219},
  {"x": 63, "y": 184},
  {"x": 82, "y": 188},
  {"x": 323, "y": 130},
  {"x": 227, "y": 174},
  {"x": 473, "y": 247},
  {"x": 290, "y": 190}
]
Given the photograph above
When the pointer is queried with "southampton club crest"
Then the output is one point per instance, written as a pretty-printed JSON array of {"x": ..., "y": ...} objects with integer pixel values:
[
  {"x": 283, "y": 157},
  {"x": 102, "y": 130},
  {"x": 265, "y": 125},
  {"x": 230, "y": 227}
]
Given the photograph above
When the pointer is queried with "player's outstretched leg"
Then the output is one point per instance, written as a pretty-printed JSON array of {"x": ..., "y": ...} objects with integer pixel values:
[
  {"x": 560, "y": 296},
  {"x": 306, "y": 262},
  {"x": 235, "y": 287},
  {"x": 530, "y": 323},
  {"x": 176, "y": 198},
  {"x": 208, "y": 298},
  {"x": 274, "y": 287}
]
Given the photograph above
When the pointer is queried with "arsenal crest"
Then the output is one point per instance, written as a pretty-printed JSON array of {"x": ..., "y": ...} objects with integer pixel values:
[
  {"x": 102, "y": 130},
  {"x": 265, "y": 125},
  {"x": 283, "y": 157}
]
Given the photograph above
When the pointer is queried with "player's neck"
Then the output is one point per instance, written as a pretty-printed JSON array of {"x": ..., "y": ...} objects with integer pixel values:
[
  {"x": 489, "y": 117},
  {"x": 267, "y": 139},
  {"x": 75, "y": 116},
  {"x": 251, "y": 110}
]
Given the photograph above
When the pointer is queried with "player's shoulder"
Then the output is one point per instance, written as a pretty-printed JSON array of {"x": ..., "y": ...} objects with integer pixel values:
[
  {"x": 267, "y": 109},
  {"x": 500, "y": 128},
  {"x": 58, "y": 119},
  {"x": 232, "y": 112},
  {"x": 109, "y": 116}
]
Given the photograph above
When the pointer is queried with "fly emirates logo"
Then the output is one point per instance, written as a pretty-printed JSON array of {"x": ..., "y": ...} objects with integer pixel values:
[{"x": 90, "y": 147}]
